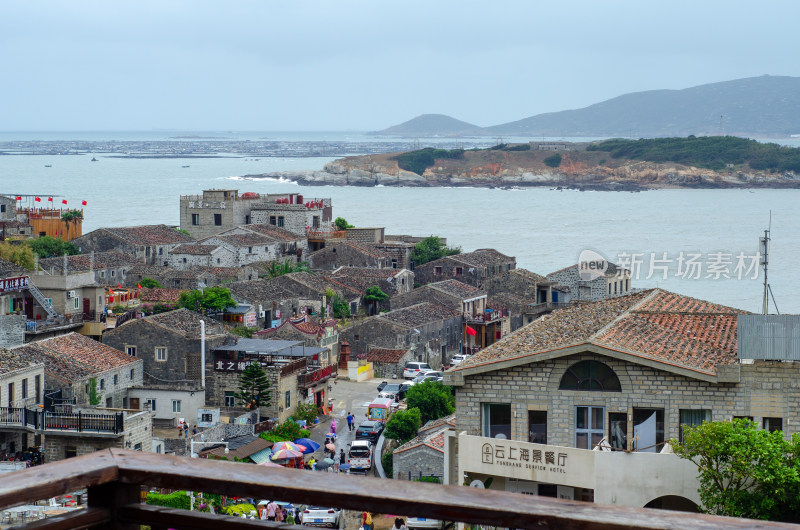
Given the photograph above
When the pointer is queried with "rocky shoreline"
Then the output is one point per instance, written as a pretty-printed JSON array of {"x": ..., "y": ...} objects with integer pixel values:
[{"x": 631, "y": 178}]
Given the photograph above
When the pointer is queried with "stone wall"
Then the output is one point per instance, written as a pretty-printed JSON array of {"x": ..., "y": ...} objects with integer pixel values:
[
  {"x": 12, "y": 328},
  {"x": 24, "y": 387},
  {"x": 295, "y": 217},
  {"x": 765, "y": 389},
  {"x": 336, "y": 255},
  {"x": 421, "y": 459},
  {"x": 233, "y": 211},
  {"x": 365, "y": 235}
]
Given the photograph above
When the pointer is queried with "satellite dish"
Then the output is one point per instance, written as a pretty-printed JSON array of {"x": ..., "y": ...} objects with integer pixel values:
[{"x": 477, "y": 484}]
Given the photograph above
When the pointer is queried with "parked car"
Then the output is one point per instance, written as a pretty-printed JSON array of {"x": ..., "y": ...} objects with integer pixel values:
[
  {"x": 359, "y": 455},
  {"x": 458, "y": 359},
  {"x": 321, "y": 516},
  {"x": 423, "y": 523},
  {"x": 369, "y": 430},
  {"x": 395, "y": 389},
  {"x": 383, "y": 384},
  {"x": 413, "y": 368},
  {"x": 429, "y": 376}
]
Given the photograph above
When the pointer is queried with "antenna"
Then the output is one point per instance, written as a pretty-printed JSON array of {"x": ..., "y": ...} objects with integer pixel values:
[{"x": 763, "y": 244}]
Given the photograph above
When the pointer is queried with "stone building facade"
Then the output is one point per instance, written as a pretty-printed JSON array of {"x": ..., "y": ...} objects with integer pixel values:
[
  {"x": 472, "y": 268},
  {"x": 423, "y": 456},
  {"x": 586, "y": 285},
  {"x": 215, "y": 210},
  {"x": 109, "y": 268},
  {"x": 190, "y": 256},
  {"x": 150, "y": 244},
  {"x": 337, "y": 254},
  {"x": 248, "y": 248},
  {"x": 292, "y": 217}
]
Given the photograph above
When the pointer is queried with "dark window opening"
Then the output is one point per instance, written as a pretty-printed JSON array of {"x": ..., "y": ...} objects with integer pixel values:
[
  {"x": 537, "y": 426},
  {"x": 618, "y": 430},
  {"x": 590, "y": 375},
  {"x": 217, "y": 219},
  {"x": 195, "y": 219}
]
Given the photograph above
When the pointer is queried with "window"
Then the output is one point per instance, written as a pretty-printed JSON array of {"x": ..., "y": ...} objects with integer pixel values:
[
  {"x": 2, "y": 208},
  {"x": 10, "y": 394},
  {"x": 355, "y": 337},
  {"x": 102, "y": 384},
  {"x": 176, "y": 405},
  {"x": 230, "y": 399},
  {"x": 648, "y": 430},
  {"x": 70, "y": 451},
  {"x": 137, "y": 447},
  {"x": 130, "y": 350},
  {"x": 37, "y": 386},
  {"x": 273, "y": 220},
  {"x": 160, "y": 251},
  {"x": 589, "y": 426},
  {"x": 151, "y": 403},
  {"x": 195, "y": 219},
  {"x": 133, "y": 374},
  {"x": 627, "y": 285},
  {"x": 112, "y": 273},
  {"x": 770, "y": 424},
  {"x": 693, "y": 418},
  {"x": 749, "y": 418},
  {"x": 76, "y": 303},
  {"x": 496, "y": 420},
  {"x": 280, "y": 220},
  {"x": 394, "y": 263},
  {"x": 618, "y": 430},
  {"x": 184, "y": 260},
  {"x": 288, "y": 399},
  {"x": 437, "y": 271},
  {"x": 249, "y": 250},
  {"x": 116, "y": 379},
  {"x": 161, "y": 354},
  {"x": 24, "y": 388},
  {"x": 537, "y": 426},
  {"x": 217, "y": 219},
  {"x": 206, "y": 418},
  {"x": 590, "y": 375},
  {"x": 102, "y": 274},
  {"x": 459, "y": 271},
  {"x": 609, "y": 288}
]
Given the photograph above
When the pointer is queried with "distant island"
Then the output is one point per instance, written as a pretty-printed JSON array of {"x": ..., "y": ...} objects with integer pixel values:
[
  {"x": 766, "y": 106},
  {"x": 614, "y": 165}
]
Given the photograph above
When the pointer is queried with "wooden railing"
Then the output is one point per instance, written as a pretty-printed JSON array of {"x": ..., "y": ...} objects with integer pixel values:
[{"x": 115, "y": 477}]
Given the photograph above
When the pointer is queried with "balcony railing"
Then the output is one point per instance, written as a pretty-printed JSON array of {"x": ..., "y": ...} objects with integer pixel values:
[
  {"x": 315, "y": 376},
  {"x": 56, "y": 421},
  {"x": 40, "y": 326},
  {"x": 486, "y": 317},
  {"x": 114, "y": 479},
  {"x": 325, "y": 233}
]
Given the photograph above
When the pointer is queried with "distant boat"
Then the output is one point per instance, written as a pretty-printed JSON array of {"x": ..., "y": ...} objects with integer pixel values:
[
  {"x": 94, "y": 159},
  {"x": 184, "y": 166},
  {"x": 48, "y": 165}
]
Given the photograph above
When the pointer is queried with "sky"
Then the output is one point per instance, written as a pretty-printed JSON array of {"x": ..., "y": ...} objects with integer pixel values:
[{"x": 342, "y": 65}]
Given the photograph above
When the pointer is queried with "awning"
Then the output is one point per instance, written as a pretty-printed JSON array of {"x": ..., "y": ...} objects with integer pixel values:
[{"x": 261, "y": 456}]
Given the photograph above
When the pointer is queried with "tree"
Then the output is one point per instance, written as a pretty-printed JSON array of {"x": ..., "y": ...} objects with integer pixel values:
[
  {"x": 49, "y": 247},
  {"x": 254, "y": 387},
  {"x": 342, "y": 224},
  {"x": 214, "y": 299},
  {"x": 94, "y": 397},
  {"x": 431, "y": 248},
  {"x": 72, "y": 216},
  {"x": 275, "y": 269},
  {"x": 403, "y": 425},
  {"x": 374, "y": 296},
  {"x": 432, "y": 398},
  {"x": 553, "y": 160},
  {"x": 744, "y": 471},
  {"x": 20, "y": 255},
  {"x": 150, "y": 283},
  {"x": 244, "y": 331}
]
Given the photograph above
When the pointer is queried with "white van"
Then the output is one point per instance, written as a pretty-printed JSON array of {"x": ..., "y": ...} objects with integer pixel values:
[{"x": 359, "y": 455}]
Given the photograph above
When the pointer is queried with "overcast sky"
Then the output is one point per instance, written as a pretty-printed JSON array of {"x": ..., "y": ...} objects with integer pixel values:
[{"x": 334, "y": 65}]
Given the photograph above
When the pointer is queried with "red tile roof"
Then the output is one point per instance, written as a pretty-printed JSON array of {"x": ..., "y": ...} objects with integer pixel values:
[
  {"x": 383, "y": 355},
  {"x": 655, "y": 324},
  {"x": 160, "y": 295}
]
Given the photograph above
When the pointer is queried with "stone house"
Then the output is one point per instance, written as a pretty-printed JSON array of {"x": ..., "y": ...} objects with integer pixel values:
[
  {"x": 190, "y": 256},
  {"x": 319, "y": 334},
  {"x": 215, "y": 210},
  {"x": 274, "y": 304},
  {"x": 170, "y": 278},
  {"x": 295, "y": 372},
  {"x": 423, "y": 456},
  {"x": 247, "y": 248},
  {"x": 65, "y": 302},
  {"x": 21, "y": 386},
  {"x": 150, "y": 244},
  {"x": 527, "y": 295},
  {"x": 626, "y": 373},
  {"x": 393, "y": 282},
  {"x": 337, "y": 254},
  {"x": 473, "y": 268},
  {"x": 291, "y": 245},
  {"x": 8, "y": 208},
  {"x": 169, "y": 403},
  {"x": 586, "y": 284},
  {"x": 168, "y": 344},
  {"x": 431, "y": 331},
  {"x": 312, "y": 287},
  {"x": 399, "y": 252},
  {"x": 388, "y": 363},
  {"x": 109, "y": 268},
  {"x": 15, "y": 229},
  {"x": 292, "y": 212},
  {"x": 72, "y": 361}
]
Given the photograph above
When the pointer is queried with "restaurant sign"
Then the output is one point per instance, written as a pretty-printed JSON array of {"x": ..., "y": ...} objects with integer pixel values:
[
  {"x": 550, "y": 464},
  {"x": 223, "y": 364},
  {"x": 14, "y": 284}
]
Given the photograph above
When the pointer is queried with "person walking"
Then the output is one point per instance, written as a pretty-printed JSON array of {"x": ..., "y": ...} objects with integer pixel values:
[
  {"x": 272, "y": 509},
  {"x": 342, "y": 458},
  {"x": 366, "y": 520},
  {"x": 333, "y": 426},
  {"x": 350, "y": 419}
]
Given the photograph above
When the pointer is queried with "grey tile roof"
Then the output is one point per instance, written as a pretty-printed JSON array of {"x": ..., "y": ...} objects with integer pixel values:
[{"x": 419, "y": 314}]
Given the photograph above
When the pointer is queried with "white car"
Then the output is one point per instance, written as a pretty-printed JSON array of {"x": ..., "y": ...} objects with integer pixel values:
[
  {"x": 414, "y": 368},
  {"x": 423, "y": 522},
  {"x": 458, "y": 359},
  {"x": 428, "y": 376},
  {"x": 321, "y": 516}
]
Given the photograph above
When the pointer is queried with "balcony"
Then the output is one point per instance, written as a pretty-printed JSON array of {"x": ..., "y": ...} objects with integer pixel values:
[
  {"x": 114, "y": 479},
  {"x": 54, "y": 323},
  {"x": 54, "y": 422},
  {"x": 314, "y": 376},
  {"x": 325, "y": 233},
  {"x": 487, "y": 317}
]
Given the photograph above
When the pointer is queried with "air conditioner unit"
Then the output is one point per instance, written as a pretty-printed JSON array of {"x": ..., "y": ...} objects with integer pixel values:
[
  {"x": 262, "y": 314},
  {"x": 70, "y": 294}
]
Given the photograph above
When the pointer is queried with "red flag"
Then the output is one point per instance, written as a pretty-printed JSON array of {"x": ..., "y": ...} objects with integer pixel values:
[
  {"x": 139, "y": 285},
  {"x": 63, "y": 201},
  {"x": 119, "y": 285},
  {"x": 50, "y": 199},
  {"x": 19, "y": 198},
  {"x": 37, "y": 199},
  {"x": 83, "y": 203},
  {"x": 471, "y": 331}
]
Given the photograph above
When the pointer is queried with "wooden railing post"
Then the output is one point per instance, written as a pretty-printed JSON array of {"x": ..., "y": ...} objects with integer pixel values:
[{"x": 112, "y": 496}]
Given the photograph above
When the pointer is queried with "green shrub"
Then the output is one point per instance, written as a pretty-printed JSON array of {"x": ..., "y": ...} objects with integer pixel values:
[
  {"x": 306, "y": 411},
  {"x": 418, "y": 161},
  {"x": 237, "y": 510},
  {"x": 432, "y": 480},
  {"x": 553, "y": 160},
  {"x": 285, "y": 432},
  {"x": 387, "y": 462},
  {"x": 176, "y": 499}
]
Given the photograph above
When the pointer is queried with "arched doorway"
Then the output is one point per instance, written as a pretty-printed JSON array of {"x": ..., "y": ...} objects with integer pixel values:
[{"x": 673, "y": 502}]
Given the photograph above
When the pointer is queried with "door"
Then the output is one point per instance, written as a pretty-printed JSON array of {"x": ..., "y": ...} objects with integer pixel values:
[
  {"x": 29, "y": 308},
  {"x": 86, "y": 308},
  {"x": 134, "y": 404}
]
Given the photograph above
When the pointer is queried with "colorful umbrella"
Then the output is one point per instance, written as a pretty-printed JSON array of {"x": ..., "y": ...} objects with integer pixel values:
[
  {"x": 344, "y": 466},
  {"x": 309, "y": 444},
  {"x": 283, "y": 454},
  {"x": 328, "y": 461},
  {"x": 321, "y": 466},
  {"x": 287, "y": 445},
  {"x": 330, "y": 447},
  {"x": 270, "y": 464}
]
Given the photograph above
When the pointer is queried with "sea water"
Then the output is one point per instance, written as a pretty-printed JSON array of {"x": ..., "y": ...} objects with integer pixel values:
[{"x": 659, "y": 232}]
